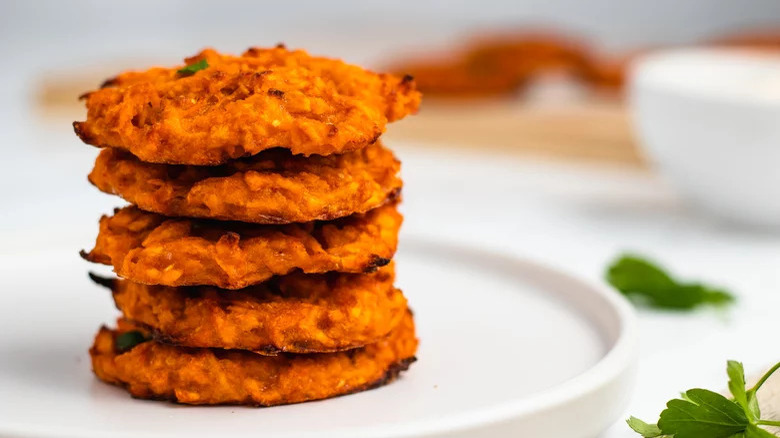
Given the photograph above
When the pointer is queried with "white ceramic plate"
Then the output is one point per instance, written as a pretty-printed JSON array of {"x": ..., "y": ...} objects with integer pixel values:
[{"x": 508, "y": 348}]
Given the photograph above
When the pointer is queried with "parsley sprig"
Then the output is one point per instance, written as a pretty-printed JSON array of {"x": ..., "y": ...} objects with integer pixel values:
[
  {"x": 194, "y": 67},
  {"x": 647, "y": 283},
  {"x": 700, "y": 413}
]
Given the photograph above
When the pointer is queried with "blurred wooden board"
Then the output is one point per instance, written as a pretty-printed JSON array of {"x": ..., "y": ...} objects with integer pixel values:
[{"x": 587, "y": 130}]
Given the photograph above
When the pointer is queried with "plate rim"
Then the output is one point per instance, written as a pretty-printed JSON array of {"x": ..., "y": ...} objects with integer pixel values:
[{"x": 620, "y": 359}]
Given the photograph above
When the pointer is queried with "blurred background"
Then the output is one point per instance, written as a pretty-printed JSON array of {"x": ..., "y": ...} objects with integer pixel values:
[
  {"x": 538, "y": 77},
  {"x": 563, "y": 130},
  {"x": 530, "y": 77}
]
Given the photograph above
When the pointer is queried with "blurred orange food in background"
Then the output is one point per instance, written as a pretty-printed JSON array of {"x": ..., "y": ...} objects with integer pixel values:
[
  {"x": 504, "y": 64},
  {"x": 498, "y": 64}
]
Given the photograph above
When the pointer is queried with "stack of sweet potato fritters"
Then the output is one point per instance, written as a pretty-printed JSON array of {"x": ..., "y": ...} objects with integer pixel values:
[{"x": 254, "y": 263}]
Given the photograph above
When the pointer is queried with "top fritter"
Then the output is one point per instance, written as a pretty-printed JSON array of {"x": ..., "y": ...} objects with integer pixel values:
[{"x": 220, "y": 107}]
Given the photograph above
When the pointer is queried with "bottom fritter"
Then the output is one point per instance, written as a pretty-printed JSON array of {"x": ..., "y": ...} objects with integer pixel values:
[{"x": 203, "y": 376}]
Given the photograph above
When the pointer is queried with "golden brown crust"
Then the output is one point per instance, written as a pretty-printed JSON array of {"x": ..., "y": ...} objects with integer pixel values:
[
  {"x": 152, "y": 249},
  {"x": 297, "y": 313},
  {"x": 202, "y": 376},
  {"x": 239, "y": 106},
  {"x": 273, "y": 187}
]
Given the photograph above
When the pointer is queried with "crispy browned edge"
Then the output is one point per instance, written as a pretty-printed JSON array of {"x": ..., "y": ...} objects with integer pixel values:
[{"x": 375, "y": 263}]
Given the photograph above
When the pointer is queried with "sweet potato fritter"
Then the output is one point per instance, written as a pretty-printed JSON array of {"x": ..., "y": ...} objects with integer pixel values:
[
  {"x": 202, "y": 376},
  {"x": 498, "y": 65},
  {"x": 239, "y": 106},
  {"x": 152, "y": 249},
  {"x": 273, "y": 187},
  {"x": 296, "y": 313}
]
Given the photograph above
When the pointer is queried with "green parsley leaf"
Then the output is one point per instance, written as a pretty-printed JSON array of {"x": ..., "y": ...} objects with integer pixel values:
[
  {"x": 753, "y": 411},
  {"x": 736, "y": 373},
  {"x": 644, "y": 429},
  {"x": 128, "y": 340},
  {"x": 648, "y": 283},
  {"x": 702, "y": 413},
  {"x": 192, "y": 68},
  {"x": 753, "y": 431},
  {"x": 707, "y": 414}
]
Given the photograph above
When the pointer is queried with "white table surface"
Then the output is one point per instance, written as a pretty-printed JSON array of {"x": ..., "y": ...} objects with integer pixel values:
[{"x": 574, "y": 217}]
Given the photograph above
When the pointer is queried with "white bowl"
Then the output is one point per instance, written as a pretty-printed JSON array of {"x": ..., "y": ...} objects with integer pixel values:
[{"x": 710, "y": 121}]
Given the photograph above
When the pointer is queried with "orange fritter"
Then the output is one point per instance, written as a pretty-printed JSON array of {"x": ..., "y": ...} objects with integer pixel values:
[
  {"x": 238, "y": 106},
  {"x": 498, "y": 65},
  {"x": 153, "y": 249},
  {"x": 272, "y": 187},
  {"x": 203, "y": 376},
  {"x": 297, "y": 313}
]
